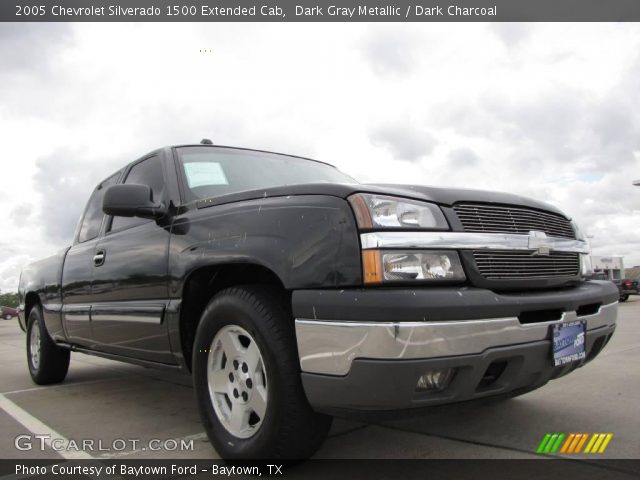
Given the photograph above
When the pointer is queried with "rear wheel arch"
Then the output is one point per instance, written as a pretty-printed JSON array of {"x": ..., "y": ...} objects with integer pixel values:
[
  {"x": 202, "y": 284},
  {"x": 48, "y": 363}
]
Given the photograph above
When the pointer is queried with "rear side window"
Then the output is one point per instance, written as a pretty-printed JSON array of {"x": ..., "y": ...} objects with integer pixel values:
[
  {"x": 147, "y": 172},
  {"x": 93, "y": 215}
]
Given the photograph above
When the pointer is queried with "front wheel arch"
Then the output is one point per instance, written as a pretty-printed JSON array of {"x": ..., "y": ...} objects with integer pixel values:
[
  {"x": 204, "y": 283},
  {"x": 291, "y": 429}
]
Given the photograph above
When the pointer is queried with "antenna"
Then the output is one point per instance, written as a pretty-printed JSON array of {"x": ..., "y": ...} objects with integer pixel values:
[{"x": 206, "y": 141}]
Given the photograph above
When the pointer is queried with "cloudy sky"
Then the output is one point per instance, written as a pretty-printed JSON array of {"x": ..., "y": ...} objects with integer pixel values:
[{"x": 546, "y": 110}]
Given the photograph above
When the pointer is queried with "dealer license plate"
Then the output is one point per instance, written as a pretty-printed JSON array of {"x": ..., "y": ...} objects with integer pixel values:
[{"x": 568, "y": 342}]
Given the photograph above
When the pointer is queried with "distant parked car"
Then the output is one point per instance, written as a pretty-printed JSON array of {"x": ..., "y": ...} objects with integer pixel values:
[
  {"x": 627, "y": 287},
  {"x": 8, "y": 313}
]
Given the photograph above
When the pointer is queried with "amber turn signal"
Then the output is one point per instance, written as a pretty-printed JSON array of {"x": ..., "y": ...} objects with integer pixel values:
[
  {"x": 371, "y": 267},
  {"x": 361, "y": 211}
]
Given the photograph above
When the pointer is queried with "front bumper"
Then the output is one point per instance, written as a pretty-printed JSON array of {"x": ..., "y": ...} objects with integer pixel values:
[{"x": 348, "y": 363}]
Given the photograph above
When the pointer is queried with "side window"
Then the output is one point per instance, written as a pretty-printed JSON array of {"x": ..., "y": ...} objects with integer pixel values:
[
  {"x": 92, "y": 219},
  {"x": 147, "y": 172}
]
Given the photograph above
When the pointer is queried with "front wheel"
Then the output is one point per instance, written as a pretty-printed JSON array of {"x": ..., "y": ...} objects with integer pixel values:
[
  {"x": 8, "y": 317},
  {"x": 247, "y": 378},
  {"x": 47, "y": 362}
]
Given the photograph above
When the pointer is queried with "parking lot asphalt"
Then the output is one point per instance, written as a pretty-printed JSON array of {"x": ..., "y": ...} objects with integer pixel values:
[{"x": 103, "y": 400}]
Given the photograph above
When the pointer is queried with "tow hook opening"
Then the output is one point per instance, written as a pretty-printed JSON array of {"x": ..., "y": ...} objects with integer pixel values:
[
  {"x": 492, "y": 374},
  {"x": 590, "y": 309},
  {"x": 539, "y": 316}
]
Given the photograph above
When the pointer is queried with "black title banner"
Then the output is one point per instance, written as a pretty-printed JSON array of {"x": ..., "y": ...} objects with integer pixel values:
[{"x": 318, "y": 10}]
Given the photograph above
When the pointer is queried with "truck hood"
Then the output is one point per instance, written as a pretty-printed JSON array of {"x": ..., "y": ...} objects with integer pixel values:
[
  {"x": 449, "y": 196},
  {"x": 441, "y": 196}
]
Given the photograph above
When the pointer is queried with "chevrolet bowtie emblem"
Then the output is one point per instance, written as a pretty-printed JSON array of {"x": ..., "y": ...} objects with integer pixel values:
[{"x": 539, "y": 243}]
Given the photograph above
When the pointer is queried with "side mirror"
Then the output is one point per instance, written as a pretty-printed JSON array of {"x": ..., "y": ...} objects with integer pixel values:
[{"x": 130, "y": 200}]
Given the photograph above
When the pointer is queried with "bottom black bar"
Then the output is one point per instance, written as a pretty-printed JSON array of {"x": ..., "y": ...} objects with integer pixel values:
[{"x": 544, "y": 469}]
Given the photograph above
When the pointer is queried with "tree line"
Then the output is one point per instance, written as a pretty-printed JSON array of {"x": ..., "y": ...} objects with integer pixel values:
[{"x": 9, "y": 299}]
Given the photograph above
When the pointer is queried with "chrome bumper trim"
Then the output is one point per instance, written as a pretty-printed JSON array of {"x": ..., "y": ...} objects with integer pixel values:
[
  {"x": 329, "y": 347},
  {"x": 469, "y": 241}
]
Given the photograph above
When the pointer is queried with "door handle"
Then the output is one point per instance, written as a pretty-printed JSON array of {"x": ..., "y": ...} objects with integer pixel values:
[{"x": 98, "y": 258}]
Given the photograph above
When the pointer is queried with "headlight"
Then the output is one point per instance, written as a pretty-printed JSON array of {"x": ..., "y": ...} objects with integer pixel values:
[
  {"x": 586, "y": 268},
  {"x": 411, "y": 265},
  {"x": 585, "y": 259},
  {"x": 384, "y": 212}
]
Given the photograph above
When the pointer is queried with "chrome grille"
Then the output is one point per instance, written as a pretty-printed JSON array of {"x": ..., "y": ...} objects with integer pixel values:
[
  {"x": 498, "y": 264},
  {"x": 478, "y": 217}
]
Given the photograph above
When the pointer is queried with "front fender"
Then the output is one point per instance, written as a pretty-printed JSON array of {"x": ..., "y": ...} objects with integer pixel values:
[{"x": 308, "y": 241}]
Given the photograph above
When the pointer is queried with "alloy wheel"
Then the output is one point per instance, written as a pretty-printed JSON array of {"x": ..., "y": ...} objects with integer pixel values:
[
  {"x": 237, "y": 381},
  {"x": 34, "y": 345}
]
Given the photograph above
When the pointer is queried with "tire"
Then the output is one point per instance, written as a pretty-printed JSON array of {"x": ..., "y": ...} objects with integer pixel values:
[
  {"x": 47, "y": 362},
  {"x": 8, "y": 317},
  {"x": 263, "y": 389},
  {"x": 624, "y": 298}
]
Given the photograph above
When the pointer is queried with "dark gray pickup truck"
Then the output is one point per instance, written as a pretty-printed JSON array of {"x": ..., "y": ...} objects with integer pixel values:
[{"x": 292, "y": 294}]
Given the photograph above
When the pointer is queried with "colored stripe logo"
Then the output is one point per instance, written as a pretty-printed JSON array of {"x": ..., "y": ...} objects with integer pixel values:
[{"x": 553, "y": 443}]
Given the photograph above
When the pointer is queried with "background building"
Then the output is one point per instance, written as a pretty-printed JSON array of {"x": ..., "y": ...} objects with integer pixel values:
[{"x": 612, "y": 266}]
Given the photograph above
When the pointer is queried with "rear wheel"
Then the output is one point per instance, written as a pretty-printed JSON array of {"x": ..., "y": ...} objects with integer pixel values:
[
  {"x": 47, "y": 362},
  {"x": 624, "y": 298},
  {"x": 8, "y": 317},
  {"x": 247, "y": 378}
]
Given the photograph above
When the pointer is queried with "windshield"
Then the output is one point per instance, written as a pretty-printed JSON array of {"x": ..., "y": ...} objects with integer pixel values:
[{"x": 210, "y": 171}]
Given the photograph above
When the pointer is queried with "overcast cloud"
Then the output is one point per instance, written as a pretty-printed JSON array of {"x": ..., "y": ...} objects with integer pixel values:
[
  {"x": 545, "y": 110},
  {"x": 403, "y": 141}
]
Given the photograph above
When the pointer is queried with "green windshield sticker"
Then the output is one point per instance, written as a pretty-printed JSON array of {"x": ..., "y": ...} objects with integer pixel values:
[{"x": 201, "y": 174}]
